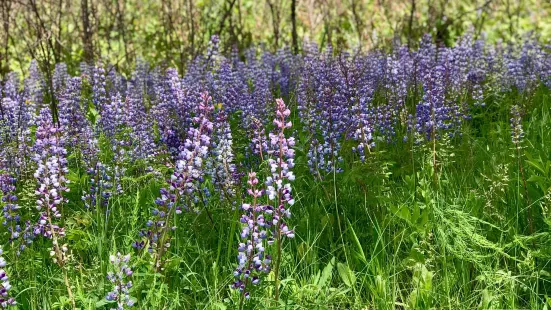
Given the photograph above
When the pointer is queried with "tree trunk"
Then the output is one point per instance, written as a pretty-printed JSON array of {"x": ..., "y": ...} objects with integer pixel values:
[
  {"x": 86, "y": 32},
  {"x": 410, "y": 24},
  {"x": 294, "y": 26},
  {"x": 5, "y": 5},
  {"x": 275, "y": 22},
  {"x": 192, "y": 28}
]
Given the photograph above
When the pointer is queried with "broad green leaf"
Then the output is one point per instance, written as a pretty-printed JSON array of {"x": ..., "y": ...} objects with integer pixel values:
[
  {"x": 326, "y": 274},
  {"x": 346, "y": 274},
  {"x": 359, "y": 250}
]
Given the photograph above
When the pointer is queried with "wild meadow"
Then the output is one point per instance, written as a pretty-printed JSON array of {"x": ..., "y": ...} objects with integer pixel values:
[{"x": 397, "y": 178}]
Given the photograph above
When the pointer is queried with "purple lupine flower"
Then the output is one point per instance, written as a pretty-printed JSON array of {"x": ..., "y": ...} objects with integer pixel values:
[
  {"x": 494, "y": 60},
  {"x": 99, "y": 95},
  {"x": 12, "y": 219},
  {"x": 176, "y": 103},
  {"x": 5, "y": 286},
  {"x": 259, "y": 143},
  {"x": 306, "y": 93},
  {"x": 184, "y": 183},
  {"x": 288, "y": 67},
  {"x": 8, "y": 135},
  {"x": 21, "y": 234},
  {"x": 426, "y": 56},
  {"x": 141, "y": 80},
  {"x": 333, "y": 102},
  {"x": 113, "y": 125},
  {"x": 115, "y": 82},
  {"x": 80, "y": 134},
  {"x": 71, "y": 115},
  {"x": 230, "y": 88},
  {"x": 112, "y": 116},
  {"x": 50, "y": 157},
  {"x": 17, "y": 116},
  {"x": 526, "y": 65},
  {"x": 253, "y": 262},
  {"x": 195, "y": 150},
  {"x": 120, "y": 277},
  {"x": 306, "y": 99},
  {"x": 86, "y": 70},
  {"x": 136, "y": 118},
  {"x": 11, "y": 86},
  {"x": 478, "y": 73},
  {"x": 255, "y": 98},
  {"x": 476, "y": 78},
  {"x": 100, "y": 186},
  {"x": 545, "y": 65},
  {"x": 220, "y": 164},
  {"x": 460, "y": 60},
  {"x": 165, "y": 111},
  {"x": 59, "y": 78},
  {"x": 200, "y": 71},
  {"x": 34, "y": 88},
  {"x": 363, "y": 130},
  {"x": 359, "y": 89},
  {"x": 213, "y": 51},
  {"x": 278, "y": 184},
  {"x": 435, "y": 112},
  {"x": 100, "y": 175},
  {"x": 235, "y": 88},
  {"x": 281, "y": 162},
  {"x": 399, "y": 67},
  {"x": 261, "y": 94}
]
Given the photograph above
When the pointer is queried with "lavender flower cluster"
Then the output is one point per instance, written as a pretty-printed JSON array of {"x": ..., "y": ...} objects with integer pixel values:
[
  {"x": 5, "y": 286},
  {"x": 120, "y": 277},
  {"x": 255, "y": 237},
  {"x": 51, "y": 174},
  {"x": 105, "y": 124},
  {"x": 184, "y": 184},
  {"x": 264, "y": 225},
  {"x": 51, "y": 164},
  {"x": 12, "y": 218},
  {"x": 220, "y": 165}
]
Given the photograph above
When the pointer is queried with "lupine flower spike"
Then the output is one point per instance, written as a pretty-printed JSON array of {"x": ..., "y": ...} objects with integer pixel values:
[
  {"x": 50, "y": 157},
  {"x": 253, "y": 262},
  {"x": 120, "y": 277},
  {"x": 5, "y": 286},
  {"x": 278, "y": 185},
  {"x": 183, "y": 185}
]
